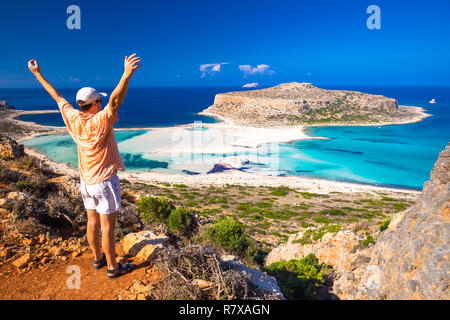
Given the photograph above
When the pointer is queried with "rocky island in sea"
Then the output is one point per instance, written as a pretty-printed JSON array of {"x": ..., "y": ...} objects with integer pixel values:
[{"x": 295, "y": 103}]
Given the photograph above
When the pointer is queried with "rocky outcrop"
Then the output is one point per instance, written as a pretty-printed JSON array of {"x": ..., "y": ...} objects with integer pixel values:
[
  {"x": 68, "y": 184},
  {"x": 10, "y": 149},
  {"x": 411, "y": 260},
  {"x": 4, "y": 105},
  {"x": 341, "y": 250},
  {"x": 143, "y": 245},
  {"x": 296, "y": 103}
]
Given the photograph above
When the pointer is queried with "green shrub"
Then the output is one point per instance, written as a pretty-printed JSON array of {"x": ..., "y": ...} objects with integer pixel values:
[
  {"x": 309, "y": 195},
  {"x": 333, "y": 228},
  {"x": 333, "y": 212},
  {"x": 368, "y": 241},
  {"x": 322, "y": 220},
  {"x": 298, "y": 279},
  {"x": 154, "y": 209},
  {"x": 399, "y": 206},
  {"x": 180, "y": 221},
  {"x": 229, "y": 234},
  {"x": 384, "y": 225},
  {"x": 280, "y": 191}
]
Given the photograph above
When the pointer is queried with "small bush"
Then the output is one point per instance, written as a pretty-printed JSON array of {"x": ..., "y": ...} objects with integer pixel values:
[
  {"x": 280, "y": 191},
  {"x": 399, "y": 206},
  {"x": 384, "y": 225},
  {"x": 229, "y": 234},
  {"x": 8, "y": 176},
  {"x": 36, "y": 185},
  {"x": 309, "y": 195},
  {"x": 31, "y": 227},
  {"x": 333, "y": 212},
  {"x": 154, "y": 209},
  {"x": 368, "y": 241},
  {"x": 298, "y": 279},
  {"x": 180, "y": 221}
]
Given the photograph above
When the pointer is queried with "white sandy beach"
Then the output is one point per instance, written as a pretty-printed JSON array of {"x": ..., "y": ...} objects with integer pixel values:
[{"x": 236, "y": 177}]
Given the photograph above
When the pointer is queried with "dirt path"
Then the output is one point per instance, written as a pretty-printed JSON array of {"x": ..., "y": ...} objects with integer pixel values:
[{"x": 52, "y": 283}]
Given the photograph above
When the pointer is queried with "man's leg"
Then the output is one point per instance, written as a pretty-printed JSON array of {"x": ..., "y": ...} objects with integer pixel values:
[
  {"x": 108, "y": 224},
  {"x": 93, "y": 233}
]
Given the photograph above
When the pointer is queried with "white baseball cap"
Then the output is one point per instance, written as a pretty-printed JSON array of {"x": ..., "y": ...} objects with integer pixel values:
[{"x": 89, "y": 95}]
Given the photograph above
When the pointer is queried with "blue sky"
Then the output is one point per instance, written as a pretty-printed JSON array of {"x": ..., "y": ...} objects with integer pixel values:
[{"x": 213, "y": 42}]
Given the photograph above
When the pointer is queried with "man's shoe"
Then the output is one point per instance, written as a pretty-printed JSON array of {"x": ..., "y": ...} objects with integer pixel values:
[
  {"x": 121, "y": 270},
  {"x": 98, "y": 264}
]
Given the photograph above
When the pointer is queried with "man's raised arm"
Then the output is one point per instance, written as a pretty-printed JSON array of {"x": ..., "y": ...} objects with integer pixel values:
[
  {"x": 34, "y": 68},
  {"x": 119, "y": 93}
]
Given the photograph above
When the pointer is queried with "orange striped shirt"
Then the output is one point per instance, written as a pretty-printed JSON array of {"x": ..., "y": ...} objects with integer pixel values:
[{"x": 98, "y": 154}]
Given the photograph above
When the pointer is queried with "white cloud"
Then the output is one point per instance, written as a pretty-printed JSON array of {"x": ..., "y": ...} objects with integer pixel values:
[
  {"x": 260, "y": 69},
  {"x": 73, "y": 79},
  {"x": 210, "y": 68},
  {"x": 251, "y": 85}
]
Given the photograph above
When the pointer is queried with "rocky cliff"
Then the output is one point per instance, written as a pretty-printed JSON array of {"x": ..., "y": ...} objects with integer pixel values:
[
  {"x": 302, "y": 103},
  {"x": 409, "y": 260}
]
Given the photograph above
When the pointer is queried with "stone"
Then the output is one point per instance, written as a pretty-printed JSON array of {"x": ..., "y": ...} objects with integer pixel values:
[
  {"x": 6, "y": 253},
  {"x": 202, "y": 284},
  {"x": 68, "y": 184},
  {"x": 17, "y": 196},
  {"x": 139, "y": 287},
  {"x": 266, "y": 285},
  {"x": 143, "y": 245},
  {"x": 27, "y": 242},
  {"x": 59, "y": 252},
  {"x": 22, "y": 261},
  {"x": 41, "y": 239},
  {"x": 335, "y": 249},
  {"x": 10, "y": 149}
]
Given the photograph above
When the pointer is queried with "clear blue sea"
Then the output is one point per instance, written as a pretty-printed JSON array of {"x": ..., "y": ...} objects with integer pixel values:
[{"x": 394, "y": 155}]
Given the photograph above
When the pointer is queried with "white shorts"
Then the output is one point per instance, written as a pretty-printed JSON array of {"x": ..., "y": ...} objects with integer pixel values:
[{"x": 103, "y": 197}]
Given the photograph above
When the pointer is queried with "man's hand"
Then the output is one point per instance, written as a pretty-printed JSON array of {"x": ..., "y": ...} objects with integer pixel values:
[
  {"x": 131, "y": 64},
  {"x": 34, "y": 67},
  {"x": 118, "y": 95}
]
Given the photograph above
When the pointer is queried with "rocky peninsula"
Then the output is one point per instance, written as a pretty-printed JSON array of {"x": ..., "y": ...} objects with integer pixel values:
[{"x": 293, "y": 104}]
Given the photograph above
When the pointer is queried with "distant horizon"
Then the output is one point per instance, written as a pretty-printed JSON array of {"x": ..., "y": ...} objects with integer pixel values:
[{"x": 240, "y": 86}]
